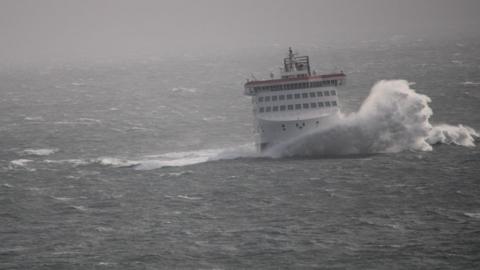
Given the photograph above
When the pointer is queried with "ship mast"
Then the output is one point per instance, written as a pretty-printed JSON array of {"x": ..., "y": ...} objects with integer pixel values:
[{"x": 296, "y": 64}]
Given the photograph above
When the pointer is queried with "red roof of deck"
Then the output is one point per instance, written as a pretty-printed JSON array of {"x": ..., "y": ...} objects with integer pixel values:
[{"x": 326, "y": 76}]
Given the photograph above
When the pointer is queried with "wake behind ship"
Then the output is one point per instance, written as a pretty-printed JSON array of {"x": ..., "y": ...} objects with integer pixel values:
[{"x": 294, "y": 104}]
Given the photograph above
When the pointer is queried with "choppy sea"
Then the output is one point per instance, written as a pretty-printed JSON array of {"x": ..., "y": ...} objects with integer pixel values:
[{"x": 151, "y": 164}]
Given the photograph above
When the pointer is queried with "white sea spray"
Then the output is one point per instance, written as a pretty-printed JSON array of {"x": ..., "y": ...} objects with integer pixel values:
[{"x": 393, "y": 118}]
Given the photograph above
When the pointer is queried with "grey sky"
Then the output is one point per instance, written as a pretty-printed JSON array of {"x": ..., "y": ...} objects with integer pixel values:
[{"x": 69, "y": 29}]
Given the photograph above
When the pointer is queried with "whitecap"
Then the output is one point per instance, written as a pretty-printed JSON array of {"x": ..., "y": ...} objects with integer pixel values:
[
  {"x": 176, "y": 174},
  {"x": 20, "y": 162},
  {"x": 470, "y": 83},
  {"x": 75, "y": 162},
  {"x": 79, "y": 208},
  {"x": 91, "y": 120},
  {"x": 116, "y": 162},
  {"x": 62, "y": 199},
  {"x": 184, "y": 90},
  {"x": 34, "y": 118},
  {"x": 104, "y": 229},
  {"x": 39, "y": 152},
  {"x": 473, "y": 215},
  {"x": 214, "y": 119},
  {"x": 186, "y": 197}
]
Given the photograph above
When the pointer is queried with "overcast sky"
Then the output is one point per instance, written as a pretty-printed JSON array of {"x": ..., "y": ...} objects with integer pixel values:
[{"x": 40, "y": 30}]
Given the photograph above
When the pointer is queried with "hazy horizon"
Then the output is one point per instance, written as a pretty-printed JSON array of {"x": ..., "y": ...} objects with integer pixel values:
[{"x": 56, "y": 30}]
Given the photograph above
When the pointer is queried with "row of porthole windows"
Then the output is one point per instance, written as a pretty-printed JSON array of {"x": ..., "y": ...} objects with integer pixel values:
[
  {"x": 292, "y": 107},
  {"x": 284, "y": 127},
  {"x": 300, "y": 85},
  {"x": 297, "y": 96}
]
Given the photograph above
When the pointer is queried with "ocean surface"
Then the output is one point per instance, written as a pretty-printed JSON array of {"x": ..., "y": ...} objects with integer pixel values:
[{"x": 151, "y": 164}]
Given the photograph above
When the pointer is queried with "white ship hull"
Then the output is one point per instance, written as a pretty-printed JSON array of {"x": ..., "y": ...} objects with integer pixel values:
[{"x": 275, "y": 132}]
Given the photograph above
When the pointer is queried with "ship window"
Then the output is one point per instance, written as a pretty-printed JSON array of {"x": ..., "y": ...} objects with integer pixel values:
[
  {"x": 327, "y": 103},
  {"x": 256, "y": 88},
  {"x": 339, "y": 82},
  {"x": 267, "y": 99},
  {"x": 298, "y": 106},
  {"x": 313, "y": 105},
  {"x": 289, "y": 96},
  {"x": 275, "y": 108},
  {"x": 304, "y": 95},
  {"x": 334, "y": 103},
  {"x": 304, "y": 85},
  {"x": 282, "y": 107},
  {"x": 274, "y": 98},
  {"x": 333, "y": 93},
  {"x": 297, "y": 96},
  {"x": 335, "y": 82},
  {"x": 268, "y": 109},
  {"x": 305, "y": 105},
  {"x": 326, "y": 93},
  {"x": 281, "y": 97},
  {"x": 320, "y": 104},
  {"x": 312, "y": 94},
  {"x": 290, "y": 107},
  {"x": 320, "y": 94},
  {"x": 262, "y": 109},
  {"x": 260, "y": 99}
]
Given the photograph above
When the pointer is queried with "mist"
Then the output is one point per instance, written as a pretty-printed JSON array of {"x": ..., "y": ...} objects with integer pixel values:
[{"x": 68, "y": 30}]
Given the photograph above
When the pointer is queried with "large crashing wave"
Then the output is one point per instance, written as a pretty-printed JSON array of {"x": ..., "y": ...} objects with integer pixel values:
[{"x": 393, "y": 118}]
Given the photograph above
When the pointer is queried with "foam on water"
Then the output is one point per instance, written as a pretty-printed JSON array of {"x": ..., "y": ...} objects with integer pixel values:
[
  {"x": 393, "y": 118},
  {"x": 20, "y": 162},
  {"x": 176, "y": 159},
  {"x": 39, "y": 152},
  {"x": 469, "y": 83},
  {"x": 172, "y": 159}
]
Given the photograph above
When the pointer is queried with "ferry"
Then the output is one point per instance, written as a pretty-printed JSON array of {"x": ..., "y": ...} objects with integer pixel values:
[{"x": 294, "y": 104}]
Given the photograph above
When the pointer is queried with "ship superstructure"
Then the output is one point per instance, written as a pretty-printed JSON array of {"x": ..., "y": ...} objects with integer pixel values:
[{"x": 295, "y": 103}]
